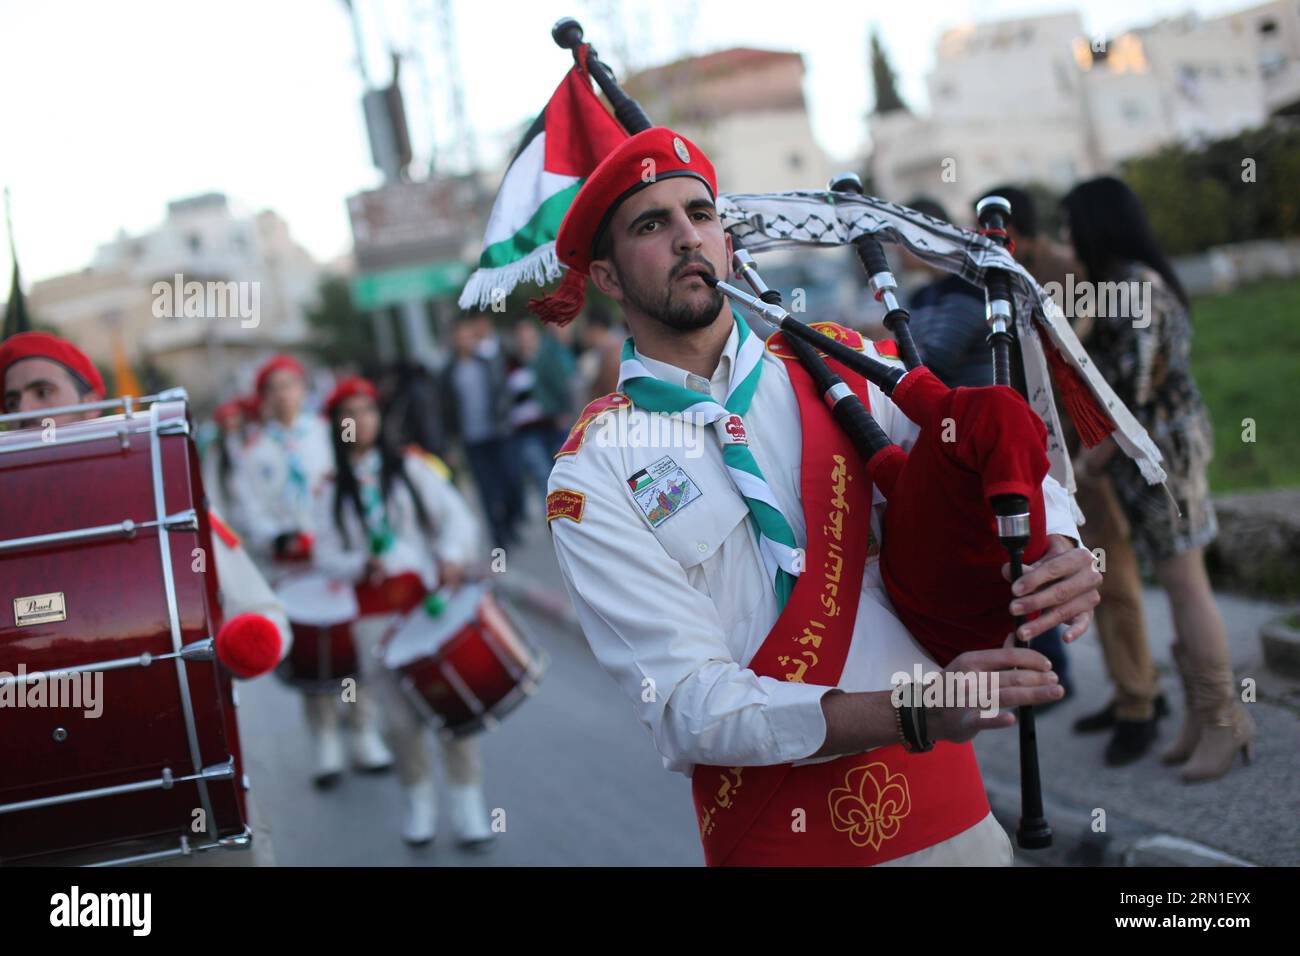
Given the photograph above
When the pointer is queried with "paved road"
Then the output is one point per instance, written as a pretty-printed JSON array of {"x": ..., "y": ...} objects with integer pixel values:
[
  {"x": 581, "y": 783},
  {"x": 578, "y": 778}
]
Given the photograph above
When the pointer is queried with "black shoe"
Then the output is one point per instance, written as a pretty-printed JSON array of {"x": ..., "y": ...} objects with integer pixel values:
[
  {"x": 1104, "y": 719},
  {"x": 1132, "y": 739}
]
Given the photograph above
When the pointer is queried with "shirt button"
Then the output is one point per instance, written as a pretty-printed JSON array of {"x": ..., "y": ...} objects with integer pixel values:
[{"x": 702, "y": 546}]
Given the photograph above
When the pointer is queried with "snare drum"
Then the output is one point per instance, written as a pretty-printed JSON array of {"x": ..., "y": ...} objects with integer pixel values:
[
  {"x": 320, "y": 612},
  {"x": 465, "y": 668},
  {"x": 108, "y": 588}
]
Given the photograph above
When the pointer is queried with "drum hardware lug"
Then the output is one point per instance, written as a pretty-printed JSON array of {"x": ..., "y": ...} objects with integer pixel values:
[
  {"x": 128, "y": 528},
  {"x": 128, "y": 406},
  {"x": 186, "y": 849},
  {"x": 179, "y": 426},
  {"x": 146, "y": 659},
  {"x": 60, "y": 734},
  {"x": 241, "y": 842},
  {"x": 175, "y": 394},
  {"x": 219, "y": 771},
  {"x": 167, "y": 779},
  {"x": 124, "y": 437},
  {"x": 204, "y": 650},
  {"x": 182, "y": 521}
]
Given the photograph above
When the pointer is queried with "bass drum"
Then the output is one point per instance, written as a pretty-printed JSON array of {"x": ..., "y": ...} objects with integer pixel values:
[{"x": 125, "y": 748}]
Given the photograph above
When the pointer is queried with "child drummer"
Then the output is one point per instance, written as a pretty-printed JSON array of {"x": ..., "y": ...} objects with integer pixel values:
[{"x": 382, "y": 518}]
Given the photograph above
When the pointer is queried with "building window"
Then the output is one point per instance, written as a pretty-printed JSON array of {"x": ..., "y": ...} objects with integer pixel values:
[
  {"x": 796, "y": 161},
  {"x": 195, "y": 241}
]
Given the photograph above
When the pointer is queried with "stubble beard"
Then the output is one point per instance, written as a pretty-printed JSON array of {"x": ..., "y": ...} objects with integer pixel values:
[{"x": 659, "y": 305}]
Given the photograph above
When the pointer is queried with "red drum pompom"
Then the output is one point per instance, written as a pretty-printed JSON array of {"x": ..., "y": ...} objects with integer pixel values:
[{"x": 249, "y": 645}]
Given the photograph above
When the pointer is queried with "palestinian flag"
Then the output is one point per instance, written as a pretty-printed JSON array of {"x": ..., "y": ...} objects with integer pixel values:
[{"x": 560, "y": 150}]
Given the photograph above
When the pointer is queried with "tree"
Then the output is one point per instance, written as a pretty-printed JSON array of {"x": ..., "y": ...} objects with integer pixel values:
[
  {"x": 342, "y": 332},
  {"x": 882, "y": 78}
]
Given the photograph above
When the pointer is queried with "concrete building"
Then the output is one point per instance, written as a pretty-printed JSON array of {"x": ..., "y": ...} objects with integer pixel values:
[
  {"x": 1036, "y": 99},
  {"x": 254, "y": 285},
  {"x": 746, "y": 109}
]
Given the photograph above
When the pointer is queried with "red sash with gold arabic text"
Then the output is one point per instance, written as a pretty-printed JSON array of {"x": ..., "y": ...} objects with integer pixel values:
[{"x": 855, "y": 810}]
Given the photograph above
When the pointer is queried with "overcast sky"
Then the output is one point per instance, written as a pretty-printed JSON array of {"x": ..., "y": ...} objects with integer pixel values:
[{"x": 109, "y": 109}]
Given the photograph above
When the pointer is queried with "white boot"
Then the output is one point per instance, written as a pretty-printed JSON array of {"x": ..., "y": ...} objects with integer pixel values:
[
  {"x": 329, "y": 757},
  {"x": 420, "y": 818},
  {"x": 369, "y": 753},
  {"x": 469, "y": 816}
]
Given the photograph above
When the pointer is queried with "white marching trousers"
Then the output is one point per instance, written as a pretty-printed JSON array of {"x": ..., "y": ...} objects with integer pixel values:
[{"x": 405, "y": 733}]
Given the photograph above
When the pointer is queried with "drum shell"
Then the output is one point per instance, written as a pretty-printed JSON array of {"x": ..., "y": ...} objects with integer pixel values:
[
  {"x": 485, "y": 661},
  {"x": 116, "y": 607},
  {"x": 322, "y": 655}
]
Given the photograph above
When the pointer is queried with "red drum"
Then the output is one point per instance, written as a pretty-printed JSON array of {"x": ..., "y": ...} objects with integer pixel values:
[
  {"x": 321, "y": 613},
  {"x": 126, "y": 747},
  {"x": 465, "y": 668}
]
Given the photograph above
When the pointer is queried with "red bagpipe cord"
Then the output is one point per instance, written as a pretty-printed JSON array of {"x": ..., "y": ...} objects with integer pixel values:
[
  {"x": 1090, "y": 419},
  {"x": 941, "y": 559}
]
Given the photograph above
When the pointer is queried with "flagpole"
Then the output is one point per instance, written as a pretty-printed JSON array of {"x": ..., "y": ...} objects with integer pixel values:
[{"x": 567, "y": 34}]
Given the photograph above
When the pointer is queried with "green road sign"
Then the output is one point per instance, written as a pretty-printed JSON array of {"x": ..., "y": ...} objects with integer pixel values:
[{"x": 378, "y": 290}]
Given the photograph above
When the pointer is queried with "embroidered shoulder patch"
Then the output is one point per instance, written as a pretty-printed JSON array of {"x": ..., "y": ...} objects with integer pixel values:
[
  {"x": 854, "y": 340},
  {"x": 563, "y": 503},
  {"x": 661, "y": 490},
  {"x": 589, "y": 415}
]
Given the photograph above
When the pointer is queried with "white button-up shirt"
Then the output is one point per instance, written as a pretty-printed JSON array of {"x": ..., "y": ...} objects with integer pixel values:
[{"x": 675, "y": 611}]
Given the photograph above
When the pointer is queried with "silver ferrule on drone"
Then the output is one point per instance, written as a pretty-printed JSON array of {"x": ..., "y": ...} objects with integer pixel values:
[
  {"x": 885, "y": 287},
  {"x": 773, "y": 313},
  {"x": 998, "y": 314},
  {"x": 1013, "y": 526},
  {"x": 742, "y": 263}
]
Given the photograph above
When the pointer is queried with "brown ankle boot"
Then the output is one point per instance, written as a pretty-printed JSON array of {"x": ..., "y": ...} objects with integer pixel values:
[
  {"x": 1226, "y": 728},
  {"x": 1191, "y": 732}
]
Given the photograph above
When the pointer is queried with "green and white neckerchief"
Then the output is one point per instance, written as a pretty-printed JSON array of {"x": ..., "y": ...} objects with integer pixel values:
[
  {"x": 290, "y": 439},
  {"x": 375, "y": 514},
  {"x": 775, "y": 537}
]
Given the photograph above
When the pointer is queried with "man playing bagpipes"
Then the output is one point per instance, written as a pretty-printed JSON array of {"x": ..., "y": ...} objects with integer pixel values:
[{"x": 754, "y": 633}]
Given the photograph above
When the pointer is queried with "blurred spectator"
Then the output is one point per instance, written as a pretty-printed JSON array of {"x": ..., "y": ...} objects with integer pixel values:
[
  {"x": 1046, "y": 259},
  {"x": 948, "y": 318},
  {"x": 598, "y": 364},
  {"x": 413, "y": 413},
  {"x": 1145, "y": 354},
  {"x": 540, "y": 399},
  {"x": 476, "y": 405}
]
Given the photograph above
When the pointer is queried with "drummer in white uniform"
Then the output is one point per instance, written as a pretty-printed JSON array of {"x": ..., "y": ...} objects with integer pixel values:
[
  {"x": 383, "y": 515},
  {"x": 274, "y": 482},
  {"x": 672, "y": 586},
  {"x": 39, "y": 371}
]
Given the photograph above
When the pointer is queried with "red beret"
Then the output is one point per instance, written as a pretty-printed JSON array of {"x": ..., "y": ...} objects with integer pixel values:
[
  {"x": 620, "y": 175},
  {"x": 274, "y": 364},
  {"x": 346, "y": 388},
  {"x": 228, "y": 411},
  {"x": 27, "y": 345}
]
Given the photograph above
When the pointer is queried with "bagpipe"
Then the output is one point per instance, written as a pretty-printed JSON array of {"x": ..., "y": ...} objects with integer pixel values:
[{"x": 967, "y": 496}]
